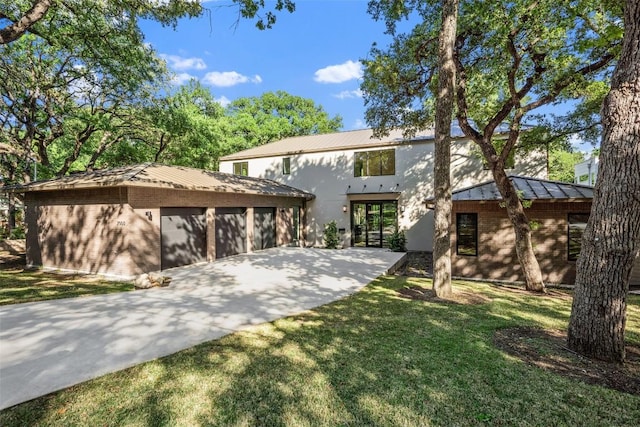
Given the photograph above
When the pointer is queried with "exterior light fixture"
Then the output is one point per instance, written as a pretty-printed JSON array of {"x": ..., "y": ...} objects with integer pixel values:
[{"x": 344, "y": 208}]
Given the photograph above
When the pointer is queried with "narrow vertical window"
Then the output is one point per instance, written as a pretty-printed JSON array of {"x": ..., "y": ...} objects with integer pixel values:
[
  {"x": 286, "y": 165},
  {"x": 241, "y": 168},
  {"x": 576, "y": 225},
  {"x": 467, "y": 234}
]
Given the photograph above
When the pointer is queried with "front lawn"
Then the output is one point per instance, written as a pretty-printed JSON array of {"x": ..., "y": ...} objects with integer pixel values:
[
  {"x": 18, "y": 285},
  {"x": 375, "y": 358}
]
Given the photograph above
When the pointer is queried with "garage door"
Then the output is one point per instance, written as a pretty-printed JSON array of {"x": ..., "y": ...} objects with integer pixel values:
[
  {"x": 231, "y": 231},
  {"x": 183, "y": 236},
  {"x": 264, "y": 228}
]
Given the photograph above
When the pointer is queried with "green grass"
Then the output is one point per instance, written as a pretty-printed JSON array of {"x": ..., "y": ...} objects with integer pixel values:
[
  {"x": 18, "y": 286},
  {"x": 372, "y": 359}
]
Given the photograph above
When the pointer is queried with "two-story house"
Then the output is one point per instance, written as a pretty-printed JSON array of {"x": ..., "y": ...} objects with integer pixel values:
[{"x": 369, "y": 186}]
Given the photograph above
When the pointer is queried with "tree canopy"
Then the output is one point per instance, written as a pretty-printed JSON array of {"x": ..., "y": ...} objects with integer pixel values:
[{"x": 511, "y": 58}]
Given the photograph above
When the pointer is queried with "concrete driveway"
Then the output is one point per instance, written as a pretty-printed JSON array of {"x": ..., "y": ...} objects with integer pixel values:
[{"x": 48, "y": 346}]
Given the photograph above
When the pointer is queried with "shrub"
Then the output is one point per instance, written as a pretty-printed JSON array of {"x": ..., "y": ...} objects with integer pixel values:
[
  {"x": 330, "y": 235},
  {"x": 397, "y": 241},
  {"x": 17, "y": 233}
]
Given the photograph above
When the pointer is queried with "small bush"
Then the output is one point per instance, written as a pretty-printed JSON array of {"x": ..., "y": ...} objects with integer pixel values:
[
  {"x": 397, "y": 241},
  {"x": 17, "y": 233},
  {"x": 330, "y": 235}
]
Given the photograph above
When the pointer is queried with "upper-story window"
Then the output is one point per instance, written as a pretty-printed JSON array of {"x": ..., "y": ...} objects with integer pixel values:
[
  {"x": 375, "y": 163},
  {"x": 286, "y": 165},
  {"x": 241, "y": 168}
]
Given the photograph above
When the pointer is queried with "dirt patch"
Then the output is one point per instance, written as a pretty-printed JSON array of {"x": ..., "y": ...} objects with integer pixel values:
[
  {"x": 458, "y": 297},
  {"x": 547, "y": 349},
  {"x": 417, "y": 264}
]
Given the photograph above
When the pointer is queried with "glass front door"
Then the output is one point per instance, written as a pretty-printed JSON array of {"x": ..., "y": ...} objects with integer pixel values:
[{"x": 373, "y": 222}]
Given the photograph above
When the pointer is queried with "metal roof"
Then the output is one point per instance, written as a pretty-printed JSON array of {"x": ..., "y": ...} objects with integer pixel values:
[
  {"x": 337, "y": 141},
  {"x": 531, "y": 188},
  {"x": 163, "y": 176}
]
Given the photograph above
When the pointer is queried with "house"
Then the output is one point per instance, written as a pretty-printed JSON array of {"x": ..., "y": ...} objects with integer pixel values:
[
  {"x": 586, "y": 172},
  {"x": 483, "y": 240},
  {"x": 142, "y": 218},
  {"x": 369, "y": 186}
]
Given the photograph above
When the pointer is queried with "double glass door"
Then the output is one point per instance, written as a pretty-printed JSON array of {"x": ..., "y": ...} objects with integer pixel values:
[{"x": 373, "y": 222}]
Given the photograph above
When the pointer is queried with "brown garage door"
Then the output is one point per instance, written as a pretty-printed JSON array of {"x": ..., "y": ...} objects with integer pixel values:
[
  {"x": 264, "y": 228},
  {"x": 183, "y": 236},
  {"x": 231, "y": 231}
]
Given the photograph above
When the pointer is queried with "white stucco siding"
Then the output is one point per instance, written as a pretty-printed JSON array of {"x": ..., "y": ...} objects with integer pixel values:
[{"x": 330, "y": 176}]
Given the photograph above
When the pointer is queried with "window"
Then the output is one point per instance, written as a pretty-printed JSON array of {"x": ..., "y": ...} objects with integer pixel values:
[
  {"x": 467, "y": 234},
  {"x": 577, "y": 224},
  {"x": 375, "y": 163},
  {"x": 241, "y": 168},
  {"x": 286, "y": 165}
]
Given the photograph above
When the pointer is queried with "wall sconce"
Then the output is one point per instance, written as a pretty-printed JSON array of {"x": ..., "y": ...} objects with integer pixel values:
[
  {"x": 148, "y": 215},
  {"x": 401, "y": 209},
  {"x": 344, "y": 208}
]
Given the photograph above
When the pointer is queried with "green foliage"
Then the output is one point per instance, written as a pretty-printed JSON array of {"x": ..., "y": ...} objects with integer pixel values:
[
  {"x": 256, "y": 121},
  {"x": 525, "y": 49},
  {"x": 562, "y": 165},
  {"x": 17, "y": 233},
  {"x": 330, "y": 235},
  {"x": 397, "y": 241}
]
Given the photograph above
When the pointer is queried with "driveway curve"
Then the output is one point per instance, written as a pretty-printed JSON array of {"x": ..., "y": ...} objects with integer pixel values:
[{"x": 51, "y": 345}]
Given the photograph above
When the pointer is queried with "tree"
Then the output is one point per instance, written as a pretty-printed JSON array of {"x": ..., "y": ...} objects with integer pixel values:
[
  {"x": 80, "y": 22},
  {"x": 511, "y": 58},
  {"x": 611, "y": 240},
  {"x": 258, "y": 120},
  {"x": 442, "y": 162},
  {"x": 562, "y": 164}
]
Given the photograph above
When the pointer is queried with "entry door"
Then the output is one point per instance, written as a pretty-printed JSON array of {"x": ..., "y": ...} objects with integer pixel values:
[
  {"x": 264, "y": 228},
  {"x": 372, "y": 222}
]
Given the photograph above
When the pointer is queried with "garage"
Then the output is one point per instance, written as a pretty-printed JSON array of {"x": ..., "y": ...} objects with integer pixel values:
[
  {"x": 264, "y": 228},
  {"x": 231, "y": 231},
  {"x": 183, "y": 237}
]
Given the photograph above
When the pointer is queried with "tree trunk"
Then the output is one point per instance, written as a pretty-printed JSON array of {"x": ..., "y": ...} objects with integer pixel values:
[
  {"x": 520, "y": 222},
  {"x": 612, "y": 238},
  {"x": 442, "y": 162}
]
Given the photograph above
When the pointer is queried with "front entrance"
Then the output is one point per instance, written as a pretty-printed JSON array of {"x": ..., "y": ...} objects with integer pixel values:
[{"x": 372, "y": 222}]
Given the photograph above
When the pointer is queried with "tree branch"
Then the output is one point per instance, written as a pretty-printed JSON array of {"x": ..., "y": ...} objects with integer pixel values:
[{"x": 17, "y": 29}]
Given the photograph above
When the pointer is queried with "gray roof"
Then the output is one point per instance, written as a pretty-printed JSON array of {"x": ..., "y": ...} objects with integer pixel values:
[
  {"x": 163, "y": 176},
  {"x": 336, "y": 141},
  {"x": 531, "y": 188}
]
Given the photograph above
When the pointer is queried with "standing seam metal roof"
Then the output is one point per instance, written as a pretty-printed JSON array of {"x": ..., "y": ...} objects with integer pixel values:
[{"x": 531, "y": 188}]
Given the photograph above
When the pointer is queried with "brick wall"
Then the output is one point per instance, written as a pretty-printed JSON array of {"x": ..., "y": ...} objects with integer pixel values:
[
  {"x": 117, "y": 230},
  {"x": 497, "y": 257}
]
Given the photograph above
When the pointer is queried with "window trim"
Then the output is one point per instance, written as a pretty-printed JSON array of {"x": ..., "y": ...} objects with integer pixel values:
[
  {"x": 569, "y": 215},
  {"x": 366, "y": 156},
  {"x": 458, "y": 216},
  {"x": 240, "y": 165}
]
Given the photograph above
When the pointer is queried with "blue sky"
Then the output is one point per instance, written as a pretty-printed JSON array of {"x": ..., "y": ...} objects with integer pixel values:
[{"x": 313, "y": 53}]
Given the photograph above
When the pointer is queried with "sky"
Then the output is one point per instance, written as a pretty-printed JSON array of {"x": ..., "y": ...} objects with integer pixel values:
[{"x": 313, "y": 53}]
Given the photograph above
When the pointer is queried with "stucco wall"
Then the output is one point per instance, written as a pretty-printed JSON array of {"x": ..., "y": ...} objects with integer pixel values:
[{"x": 330, "y": 175}]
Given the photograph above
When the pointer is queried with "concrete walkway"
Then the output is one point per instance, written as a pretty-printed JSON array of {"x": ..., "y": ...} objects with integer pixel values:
[{"x": 48, "y": 346}]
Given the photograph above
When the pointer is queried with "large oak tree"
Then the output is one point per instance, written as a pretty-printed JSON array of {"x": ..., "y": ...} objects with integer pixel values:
[{"x": 611, "y": 239}]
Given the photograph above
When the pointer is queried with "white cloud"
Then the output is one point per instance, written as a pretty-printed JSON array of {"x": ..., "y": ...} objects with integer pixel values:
[
  {"x": 223, "y": 100},
  {"x": 359, "y": 124},
  {"x": 180, "y": 63},
  {"x": 345, "y": 94},
  {"x": 228, "y": 78},
  {"x": 181, "y": 78},
  {"x": 339, "y": 73}
]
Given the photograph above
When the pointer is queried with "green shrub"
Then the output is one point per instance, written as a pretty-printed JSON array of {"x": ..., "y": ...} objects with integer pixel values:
[
  {"x": 17, "y": 233},
  {"x": 330, "y": 235},
  {"x": 397, "y": 241}
]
